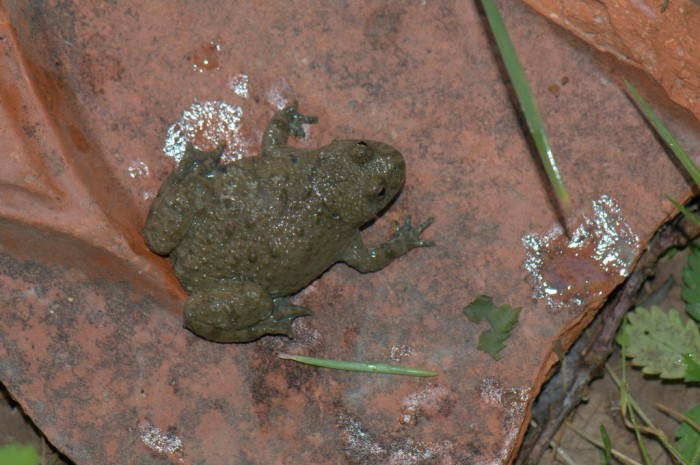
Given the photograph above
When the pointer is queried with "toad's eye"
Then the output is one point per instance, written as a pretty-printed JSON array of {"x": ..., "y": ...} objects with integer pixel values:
[
  {"x": 362, "y": 153},
  {"x": 377, "y": 190}
]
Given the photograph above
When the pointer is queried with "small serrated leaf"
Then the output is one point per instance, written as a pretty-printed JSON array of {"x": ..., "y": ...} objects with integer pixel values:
[
  {"x": 501, "y": 319},
  {"x": 691, "y": 279},
  {"x": 691, "y": 295},
  {"x": 694, "y": 258},
  {"x": 692, "y": 369},
  {"x": 693, "y": 310},
  {"x": 658, "y": 341},
  {"x": 688, "y": 438}
]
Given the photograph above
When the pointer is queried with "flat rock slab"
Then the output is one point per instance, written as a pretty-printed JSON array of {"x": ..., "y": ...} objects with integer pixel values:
[
  {"x": 659, "y": 37},
  {"x": 97, "y": 100}
]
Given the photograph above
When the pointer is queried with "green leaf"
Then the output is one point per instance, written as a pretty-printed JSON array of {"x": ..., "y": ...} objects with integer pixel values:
[
  {"x": 502, "y": 320},
  {"x": 19, "y": 454},
  {"x": 692, "y": 372},
  {"x": 694, "y": 257},
  {"x": 691, "y": 295},
  {"x": 688, "y": 438},
  {"x": 691, "y": 279},
  {"x": 659, "y": 342},
  {"x": 693, "y": 310},
  {"x": 606, "y": 455}
]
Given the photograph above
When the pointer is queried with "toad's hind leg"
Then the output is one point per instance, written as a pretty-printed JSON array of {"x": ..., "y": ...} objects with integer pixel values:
[{"x": 239, "y": 311}]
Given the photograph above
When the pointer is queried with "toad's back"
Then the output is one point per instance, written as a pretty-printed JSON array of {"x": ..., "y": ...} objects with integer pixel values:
[{"x": 265, "y": 223}]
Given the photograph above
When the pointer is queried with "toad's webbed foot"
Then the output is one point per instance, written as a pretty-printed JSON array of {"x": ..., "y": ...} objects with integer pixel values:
[
  {"x": 284, "y": 123},
  {"x": 410, "y": 236},
  {"x": 197, "y": 162},
  {"x": 297, "y": 120},
  {"x": 405, "y": 239},
  {"x": 280, "y": 322}
]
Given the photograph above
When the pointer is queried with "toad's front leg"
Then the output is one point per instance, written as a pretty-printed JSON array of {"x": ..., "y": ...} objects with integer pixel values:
[
  {"x": 284, "y": 123},
  {"x": 405, "y": 239}
]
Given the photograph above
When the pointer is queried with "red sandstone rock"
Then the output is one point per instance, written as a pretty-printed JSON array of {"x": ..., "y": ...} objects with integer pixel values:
[
  {"x": 91, "y": 336},
  {"x": 665, "y": 44}
]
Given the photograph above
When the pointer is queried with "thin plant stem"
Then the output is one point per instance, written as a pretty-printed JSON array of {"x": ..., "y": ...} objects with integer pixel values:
[
  {"x": 695, "y": 460},
  {"x": 627, "y": 401},
  {"x": 527, "y": 102},
  {"x": 617, "y": 454},
  {"x": 558, "y": 451},
  {"x": 666, "y": 135},
  {"x": 687, "y": 213},
  {"x": 648, "y": 427},
  {"x": 358, "y": 366},
  {"x": 678, "y": 416}
]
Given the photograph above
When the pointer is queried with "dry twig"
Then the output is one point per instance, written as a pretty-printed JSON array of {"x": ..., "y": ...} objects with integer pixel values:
[{"x": 586, "y": 358}]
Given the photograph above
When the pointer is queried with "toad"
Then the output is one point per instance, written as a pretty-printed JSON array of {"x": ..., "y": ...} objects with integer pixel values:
[{"x": 244, "y": 236}]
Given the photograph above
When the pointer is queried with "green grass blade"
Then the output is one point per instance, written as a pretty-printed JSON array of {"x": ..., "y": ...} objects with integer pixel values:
[
  {"x": 358, "y": 366},
  {"x": 671, "y": 141},
  {"x": 527, "y": 102},
  {"x": 606, "y": 458},
  {"x": 628, "y": 406},
  {"x": 687, "y": 213}
]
